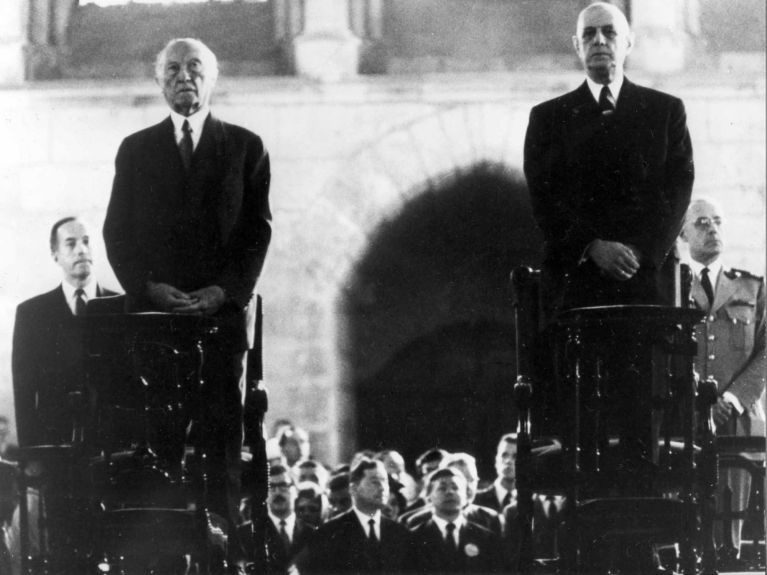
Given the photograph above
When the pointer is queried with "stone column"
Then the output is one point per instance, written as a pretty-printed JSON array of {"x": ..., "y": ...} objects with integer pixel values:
[
  {"x": 662, "y": 31},
  {"x": 12, "y": 41},
  {"x": 326, "y": 50}
]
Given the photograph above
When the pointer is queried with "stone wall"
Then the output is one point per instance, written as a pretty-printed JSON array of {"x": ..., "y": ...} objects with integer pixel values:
[{"x": 346, "y": 158}]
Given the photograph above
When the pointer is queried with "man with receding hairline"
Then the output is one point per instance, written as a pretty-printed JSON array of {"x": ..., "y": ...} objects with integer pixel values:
[
  {"x": 46, "y": 360},
  {"x": 186, "y": 231},
  {"x": 610, "y": 172},
  {"x": 47, "y": 366},
  {"x": 731, "y": 341}
]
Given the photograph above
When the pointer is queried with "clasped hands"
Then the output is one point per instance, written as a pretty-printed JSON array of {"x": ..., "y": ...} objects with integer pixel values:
[
  {"x": 204, "y": 301},
  {"x": 617, "y": 260}
]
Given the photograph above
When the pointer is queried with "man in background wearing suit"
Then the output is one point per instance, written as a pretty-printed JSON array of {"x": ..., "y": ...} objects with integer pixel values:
[
  {"x": 361, "y": 540},
  {"x": 609, "y": 168},
  {"x": 47, "y": 355},
  {"x": 48, "y": 377},
  {"x": 503, "y": 490},
  {"x": 286, "y": 535},
  {"x": 731, "y": 338},
  {"x": 447, "y": 542},
  {"x": 187, "y": 230}
]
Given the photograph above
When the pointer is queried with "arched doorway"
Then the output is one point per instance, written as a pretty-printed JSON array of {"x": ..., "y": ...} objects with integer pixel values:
[{"x": 430, "y": 338}]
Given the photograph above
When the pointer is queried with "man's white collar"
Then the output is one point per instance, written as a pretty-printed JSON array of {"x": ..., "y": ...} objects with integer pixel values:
[{"x": 615, "y": 87}]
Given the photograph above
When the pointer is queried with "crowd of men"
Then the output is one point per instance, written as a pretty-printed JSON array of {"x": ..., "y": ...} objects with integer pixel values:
[
  {"x": 357, "y": 518},
  {"x": 609, "y": 168}
]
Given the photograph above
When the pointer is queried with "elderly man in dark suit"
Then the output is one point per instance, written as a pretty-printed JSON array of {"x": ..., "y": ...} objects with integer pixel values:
[
  {"x": 609, "y": 168},
  {"x": 47, "y": 361},
  {"x": 447, "y": 542},
  {"x": 731, "y": 339},
  {"x": 187, "y": 230},
  {"x": 361, "y": 540}
]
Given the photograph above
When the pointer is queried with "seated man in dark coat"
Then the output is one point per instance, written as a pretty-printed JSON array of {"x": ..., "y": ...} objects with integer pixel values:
[{"x": 447, "y": 542}]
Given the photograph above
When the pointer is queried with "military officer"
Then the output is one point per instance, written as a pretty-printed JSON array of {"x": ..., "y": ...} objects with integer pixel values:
[{"x": 731, "y": 338}]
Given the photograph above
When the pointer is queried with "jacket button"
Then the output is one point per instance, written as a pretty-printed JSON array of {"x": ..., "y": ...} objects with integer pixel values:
[
  {"x": 711, "y": 318},
  {"x": 711, "y": 338},
  {"x": 711, "y": 356}
]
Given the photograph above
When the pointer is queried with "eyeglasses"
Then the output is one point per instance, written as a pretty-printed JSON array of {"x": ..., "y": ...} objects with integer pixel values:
[{"x": 704, "y": 222}]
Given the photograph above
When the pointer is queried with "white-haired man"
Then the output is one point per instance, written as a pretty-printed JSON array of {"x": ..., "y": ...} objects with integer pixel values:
[{"x": 187, "y": 230}]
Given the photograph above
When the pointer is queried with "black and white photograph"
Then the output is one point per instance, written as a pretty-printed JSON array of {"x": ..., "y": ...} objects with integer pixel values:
[{"x": 392, "y": 287}]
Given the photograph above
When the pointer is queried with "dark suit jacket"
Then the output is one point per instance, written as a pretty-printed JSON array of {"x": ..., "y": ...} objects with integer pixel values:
[
  {"x": 46, "y": 364},
  {"x": 207, "y": 226},
  {"x": 479, "y": 550},
  {"x": 623, "y": 177},
  {"x": 487, "y": 498},
  {"x": 339, "y": 546},
  {"x": 482, "y": 516},
  {"x": 278, "y": 560}
]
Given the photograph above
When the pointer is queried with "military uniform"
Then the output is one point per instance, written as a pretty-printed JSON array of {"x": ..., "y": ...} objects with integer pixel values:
[
  {"x": 731, "y": 344},
  {"x": 731, "y": 348}
]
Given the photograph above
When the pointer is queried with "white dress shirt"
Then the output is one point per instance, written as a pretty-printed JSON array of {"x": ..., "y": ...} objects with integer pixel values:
[
  {"x": 364, "y": 520},
  {"x": 290, "y": 524},
  {"x": 89, "y": 292},
  {"x": 196, "y": 122},
  {"x": 442, "y": 524},
  {"x": 615, "y": 88}
]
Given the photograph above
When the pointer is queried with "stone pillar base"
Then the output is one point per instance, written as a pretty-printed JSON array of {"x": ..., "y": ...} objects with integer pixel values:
[{"x": 326, "y": 57}]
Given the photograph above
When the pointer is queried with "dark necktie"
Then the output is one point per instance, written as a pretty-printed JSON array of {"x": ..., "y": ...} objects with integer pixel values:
[
  {"x": 705, "y": 281},
  {"x": 186, "y": 147},
  {"x": 372, "y": 532},
  {"x": 284, "y": 535},
  {"x": 606, "y": 103},
  {"x": 450, "y": 543},
  {"x": 79, "y": 302},
  {"x": 506, "y": 500}
]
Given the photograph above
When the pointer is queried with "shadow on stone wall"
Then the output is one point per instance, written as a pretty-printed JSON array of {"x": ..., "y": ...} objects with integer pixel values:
[{"x": 430, "y": 322}]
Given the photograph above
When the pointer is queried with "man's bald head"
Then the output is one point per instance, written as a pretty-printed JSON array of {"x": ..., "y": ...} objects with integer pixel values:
[{"x": 602, "y": 41}]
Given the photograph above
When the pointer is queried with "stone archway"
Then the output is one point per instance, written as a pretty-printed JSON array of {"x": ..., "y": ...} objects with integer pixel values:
[{"x": 440, "y": 159}]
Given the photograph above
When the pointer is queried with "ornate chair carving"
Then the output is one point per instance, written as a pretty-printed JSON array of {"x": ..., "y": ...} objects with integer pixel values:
[{"x": 615, "y": 385}]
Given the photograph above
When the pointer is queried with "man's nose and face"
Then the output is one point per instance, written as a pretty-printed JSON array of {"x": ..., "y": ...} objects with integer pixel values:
[
  {"x": 448, "y": 495},
  {"x": 703, "y": 231},
  {"x": 372, "y": 491},
  {"x": 188, "y": 78},
  {"x": 602, "y": 41},
  {"x": 505, "y": 460},
  {"x": 281, "y": 495},
  {"x": 73, "y": 252}
]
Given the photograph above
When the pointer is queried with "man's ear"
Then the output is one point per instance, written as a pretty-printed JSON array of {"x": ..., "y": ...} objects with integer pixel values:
[
  {"x": 630, "y": 40},
  {"x": 576, "y": 45}
]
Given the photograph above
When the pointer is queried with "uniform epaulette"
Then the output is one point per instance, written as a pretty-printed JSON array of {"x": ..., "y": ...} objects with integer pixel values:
[{"x": 734, "y": 273}]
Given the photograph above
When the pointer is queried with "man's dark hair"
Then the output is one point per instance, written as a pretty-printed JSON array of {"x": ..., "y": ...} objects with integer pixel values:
[
  {"x": 338, "y": 481},
  {"x": 433, "y": 455},
  {"x": 359, "y": 470},
  {"x": 54, "y": 239},
  {"x": 277, "y": 469},
  {"x": 441, "y": 473},
  {"x": 508, "y": 438}
]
